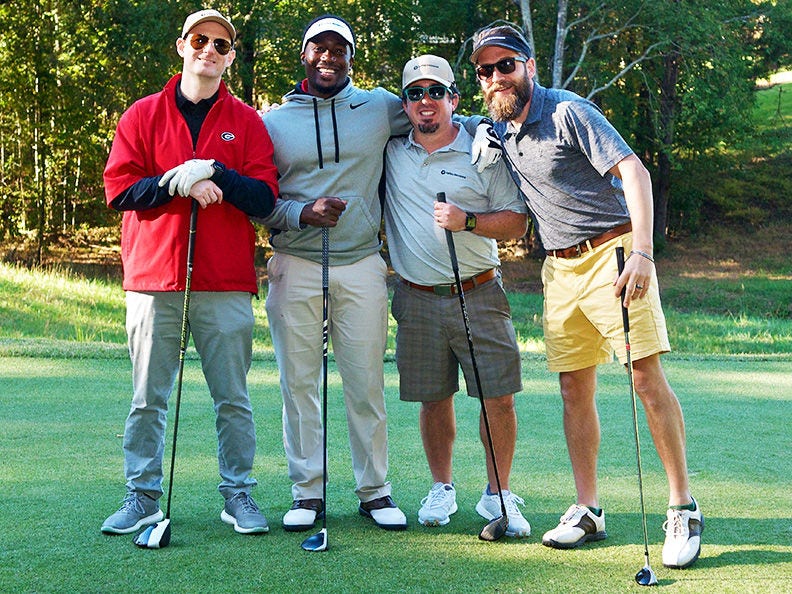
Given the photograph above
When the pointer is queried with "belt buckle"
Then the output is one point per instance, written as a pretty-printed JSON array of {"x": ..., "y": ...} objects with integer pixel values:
[
  {"x": 578, "y": 250},
  {"x": 443, "y": 290}
]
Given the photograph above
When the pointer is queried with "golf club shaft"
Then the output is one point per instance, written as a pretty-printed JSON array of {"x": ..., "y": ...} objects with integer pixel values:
[
  {"x": 325, "y": 298},
  {"x": 626, "y": 322},
  {"x": 185, "y": 327},
  {"x": 441, "y": 197}
]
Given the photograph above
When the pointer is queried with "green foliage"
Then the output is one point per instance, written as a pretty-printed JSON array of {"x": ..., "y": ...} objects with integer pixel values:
[{"x": 80, "y": 65}]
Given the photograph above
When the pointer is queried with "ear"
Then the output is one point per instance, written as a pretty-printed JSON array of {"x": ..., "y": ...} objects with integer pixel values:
[{"x": 180, "y": 46}]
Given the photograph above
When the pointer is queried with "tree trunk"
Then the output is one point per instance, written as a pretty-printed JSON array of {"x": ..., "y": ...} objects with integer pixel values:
[
  {"x": 668, "y": 114},
  {"x": 560, "y": 42}
]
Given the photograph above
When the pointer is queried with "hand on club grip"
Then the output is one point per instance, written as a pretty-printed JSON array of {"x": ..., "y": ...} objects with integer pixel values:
[{"x": 181, "y": 178}]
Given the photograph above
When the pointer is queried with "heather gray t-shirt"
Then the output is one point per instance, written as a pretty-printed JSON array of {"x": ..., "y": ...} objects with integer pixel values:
[
  {"x": 560, "y": 158},
  {"x": 417, "y": 245}
]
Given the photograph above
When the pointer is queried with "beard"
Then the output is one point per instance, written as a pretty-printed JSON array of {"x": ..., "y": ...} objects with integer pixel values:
[
  {"x": 428, "y": 128},
  {"x": 504, "y": 108}
]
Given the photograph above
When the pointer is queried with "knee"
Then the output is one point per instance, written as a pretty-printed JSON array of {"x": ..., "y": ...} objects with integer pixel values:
[{"x": 502, "y": 405}]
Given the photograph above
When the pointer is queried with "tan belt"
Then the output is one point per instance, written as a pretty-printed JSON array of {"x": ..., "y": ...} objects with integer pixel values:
[
  {"x": 578, "y": 250},
  {"x": 451, "y": 289}
]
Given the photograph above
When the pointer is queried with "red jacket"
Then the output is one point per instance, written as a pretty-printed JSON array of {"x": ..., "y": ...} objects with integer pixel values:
[{"x": 152, "y": 137}]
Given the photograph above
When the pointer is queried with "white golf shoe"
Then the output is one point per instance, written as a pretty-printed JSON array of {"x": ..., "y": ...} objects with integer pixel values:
[
  {"x": 576, "y": 527},
  {"x": 683, "y": 537}
]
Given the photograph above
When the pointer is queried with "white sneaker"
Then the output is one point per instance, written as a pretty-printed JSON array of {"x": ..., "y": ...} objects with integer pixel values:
[
  {"x": 683, "y": 537},
  {"x": 489, "y": 507},
  {"x": 577, "y": 526},
  {"x": 438, "y": 505}
]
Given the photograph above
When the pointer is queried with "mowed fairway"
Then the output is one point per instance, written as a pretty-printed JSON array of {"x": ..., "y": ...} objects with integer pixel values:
[{"x": 61, "y": 474}]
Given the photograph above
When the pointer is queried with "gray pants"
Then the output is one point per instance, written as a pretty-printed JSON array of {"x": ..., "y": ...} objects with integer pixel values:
[{"x": 221, "y": 325}]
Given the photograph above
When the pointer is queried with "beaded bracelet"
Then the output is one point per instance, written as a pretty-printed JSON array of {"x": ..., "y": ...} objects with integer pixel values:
[{"x": 643, "y": 254}]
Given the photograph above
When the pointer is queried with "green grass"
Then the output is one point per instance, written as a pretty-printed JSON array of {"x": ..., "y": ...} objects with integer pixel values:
[
  {"x": 62, "y": 472},
  {"x": 60, "y": 314}
]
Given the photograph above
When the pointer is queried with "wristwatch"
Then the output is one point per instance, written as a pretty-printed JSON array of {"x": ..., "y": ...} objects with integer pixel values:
[
  {"x": 219, "y": 170},
  {"x": 470, "y": 221}
]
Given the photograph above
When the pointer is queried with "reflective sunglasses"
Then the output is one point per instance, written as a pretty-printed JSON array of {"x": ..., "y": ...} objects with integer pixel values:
[
  {"x": 198, "y": 42},
  {"x": 505, "y": 66},
  {"x": 435, "y": 92}
]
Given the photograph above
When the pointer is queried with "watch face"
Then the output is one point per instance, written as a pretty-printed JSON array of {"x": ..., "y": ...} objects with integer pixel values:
[{"x": 470, "y": 222}]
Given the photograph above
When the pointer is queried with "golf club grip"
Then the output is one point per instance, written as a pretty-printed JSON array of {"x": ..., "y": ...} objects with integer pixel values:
[
  {"x": 441, "y": 197},
  {"x": 620, "y": 265}
]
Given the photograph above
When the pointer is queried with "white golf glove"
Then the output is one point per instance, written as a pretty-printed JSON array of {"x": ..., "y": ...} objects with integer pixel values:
[
  {"x": 486, "y": 149},
  {"x": 182, "y": 177}
]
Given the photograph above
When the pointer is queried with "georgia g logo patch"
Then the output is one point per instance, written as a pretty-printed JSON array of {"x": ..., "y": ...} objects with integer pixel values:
[{"x": 227, "y": 136}]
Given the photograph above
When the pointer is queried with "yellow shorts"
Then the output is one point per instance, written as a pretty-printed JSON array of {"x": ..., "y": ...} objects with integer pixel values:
[{"x": 582, "y": 317}]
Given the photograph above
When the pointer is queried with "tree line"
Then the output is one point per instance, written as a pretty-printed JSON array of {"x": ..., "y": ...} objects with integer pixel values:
[{"x": 675, "y": 76}]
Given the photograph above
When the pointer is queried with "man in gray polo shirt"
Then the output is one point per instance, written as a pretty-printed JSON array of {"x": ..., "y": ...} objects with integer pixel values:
[
  {"x": 431, "y": 342},
  {"x": 589, "y": 193}
]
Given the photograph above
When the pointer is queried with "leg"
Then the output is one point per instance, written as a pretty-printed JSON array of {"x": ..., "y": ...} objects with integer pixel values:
[
  {"x": 666, "y": 424},
  {"x": 153, "y": 327},
  {"x": 358, "y": 329},
  {"x": 582, "y": 430},
  {"x": 294, "y": 310},
  {"x": 438, "y": 431},
  {"x": 502, "y": 419},
  {"x": 222, "y": 328}
]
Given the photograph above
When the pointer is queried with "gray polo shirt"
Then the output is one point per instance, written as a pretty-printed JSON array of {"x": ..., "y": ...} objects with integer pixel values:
[
  {"x": 417, "y": 245},
  {"x": 560, "y": 158}
]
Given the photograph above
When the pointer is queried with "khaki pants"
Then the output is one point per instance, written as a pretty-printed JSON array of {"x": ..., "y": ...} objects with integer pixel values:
[{"x": 357, "y": 313}]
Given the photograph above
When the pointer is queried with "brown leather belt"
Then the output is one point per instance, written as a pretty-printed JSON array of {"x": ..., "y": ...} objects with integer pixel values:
[
  {"x": 578, "y": 250},
  {"x": 451, "y": 289}
]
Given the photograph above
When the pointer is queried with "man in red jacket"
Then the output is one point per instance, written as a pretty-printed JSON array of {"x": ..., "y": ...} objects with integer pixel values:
[{"x": 191, "y": 141}]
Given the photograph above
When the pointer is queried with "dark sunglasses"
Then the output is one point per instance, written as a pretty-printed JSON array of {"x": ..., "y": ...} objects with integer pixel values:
[
  {"x": 435, "y": 92},
  {"x": 198, "y": 42},
  {"x": 505, "y": 66}
]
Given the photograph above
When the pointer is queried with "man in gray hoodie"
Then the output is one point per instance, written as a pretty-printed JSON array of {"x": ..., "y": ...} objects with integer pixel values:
[{"x": 329, "y": 138}]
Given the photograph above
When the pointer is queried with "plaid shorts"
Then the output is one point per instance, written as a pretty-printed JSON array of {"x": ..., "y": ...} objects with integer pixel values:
[{"x": 432, "y": 344}]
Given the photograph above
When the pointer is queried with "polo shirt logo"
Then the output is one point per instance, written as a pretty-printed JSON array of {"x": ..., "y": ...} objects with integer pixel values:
[
  {"x": 447, "y": 172},
  {"x": 227, "y": 136}
]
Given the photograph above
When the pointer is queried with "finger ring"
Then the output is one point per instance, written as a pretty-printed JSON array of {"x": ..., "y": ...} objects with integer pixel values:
[{"x": 639, "y": 287}]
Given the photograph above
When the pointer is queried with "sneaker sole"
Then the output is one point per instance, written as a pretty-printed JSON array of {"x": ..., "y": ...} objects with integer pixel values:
[
  {"x": 147, "y": 521},
  {"x": 573, "y": 545},
  {"x": 229, "y": 519},
  {"x": 433, "y": 523}
]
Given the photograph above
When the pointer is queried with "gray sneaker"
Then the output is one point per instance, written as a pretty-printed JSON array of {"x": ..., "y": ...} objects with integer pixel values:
[
  {"x": 138, "y": 510},
  {"x": 243, "y": 514}
]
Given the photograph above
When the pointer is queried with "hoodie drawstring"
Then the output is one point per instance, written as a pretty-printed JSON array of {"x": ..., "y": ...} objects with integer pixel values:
[{"x": 319, "y": 133}]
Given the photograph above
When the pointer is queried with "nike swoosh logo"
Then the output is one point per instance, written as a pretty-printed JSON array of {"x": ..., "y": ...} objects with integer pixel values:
[{"x": 355, "y": 106}]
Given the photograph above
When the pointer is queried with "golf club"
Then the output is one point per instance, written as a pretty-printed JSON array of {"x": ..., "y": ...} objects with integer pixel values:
[
  {"x": 157, "y": 536},
  {"x": 318, "y": 542},
  {"x": 645, "y": 577},
  {"x": 496, "y": 528}
]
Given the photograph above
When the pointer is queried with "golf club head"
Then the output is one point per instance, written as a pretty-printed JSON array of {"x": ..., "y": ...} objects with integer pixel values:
[
  {"x": 316, "y": 543},
  {"x": 495, "y": 529},
  {"x": 156, "y": 536},
  {"x": 646, "y": 577}
]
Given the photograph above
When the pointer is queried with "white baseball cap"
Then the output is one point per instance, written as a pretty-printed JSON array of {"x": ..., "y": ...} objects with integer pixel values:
[
  {"x": 327, "y": 23},
  {"x": 205, "y": 16},
  {"x": 428, "y": 67}
]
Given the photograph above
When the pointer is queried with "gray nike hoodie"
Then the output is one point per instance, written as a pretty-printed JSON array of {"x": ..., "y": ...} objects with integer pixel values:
[{"x": 331, "y": 147}]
